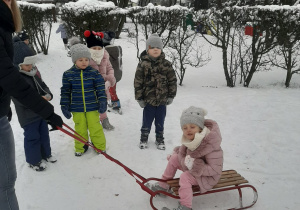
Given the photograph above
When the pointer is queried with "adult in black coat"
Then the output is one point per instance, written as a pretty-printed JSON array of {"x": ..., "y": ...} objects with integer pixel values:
[{"x": 12, "y": 84}]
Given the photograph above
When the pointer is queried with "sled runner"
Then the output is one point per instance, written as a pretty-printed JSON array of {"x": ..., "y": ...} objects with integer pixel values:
[{"x": 230, "y": 179}]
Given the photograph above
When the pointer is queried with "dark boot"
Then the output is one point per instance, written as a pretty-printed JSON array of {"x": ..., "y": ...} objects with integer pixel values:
[
  {"x": 160, "y": 141},
  {"x": 85, "y": 147},
  {"x": 144, "y": 140}
]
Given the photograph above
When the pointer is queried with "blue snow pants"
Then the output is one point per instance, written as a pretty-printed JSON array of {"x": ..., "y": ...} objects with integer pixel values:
[
  {"x": 36, "y": 141},
  {"x": 8, "y": 172},
  {"x": 151, "y": 113}
]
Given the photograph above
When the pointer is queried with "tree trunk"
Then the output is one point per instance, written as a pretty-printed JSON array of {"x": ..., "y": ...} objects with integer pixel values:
[
  {"x": 289, "y": 68},
  {"x": 251, "y": 72},
  {"x": 288, "y": 78},
  {"x": 227, "y": 77}
]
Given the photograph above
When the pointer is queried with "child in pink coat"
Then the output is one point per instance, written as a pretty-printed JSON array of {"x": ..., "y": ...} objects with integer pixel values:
[
  {"x": 100, "y": 61},
  {"x": 200, "y": 157}
]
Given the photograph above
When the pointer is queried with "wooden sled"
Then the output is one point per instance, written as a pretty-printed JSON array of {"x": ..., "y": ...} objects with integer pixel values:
[{"x": 230, "y": 180}]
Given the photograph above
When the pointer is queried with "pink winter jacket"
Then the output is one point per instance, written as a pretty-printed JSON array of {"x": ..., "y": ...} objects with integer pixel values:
[
  {"x": 208, "y": 163},
  {"x": 105, "y": 68}
]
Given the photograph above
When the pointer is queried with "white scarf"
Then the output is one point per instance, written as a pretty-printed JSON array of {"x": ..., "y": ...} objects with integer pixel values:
[
  {"x": 194, "y": 144},
  {"x": 97, "y": 55}
]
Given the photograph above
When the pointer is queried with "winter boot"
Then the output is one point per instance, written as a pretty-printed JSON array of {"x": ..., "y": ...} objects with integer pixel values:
[
  {"x": 116, "y": 104},
  {"x": 68, "y": 51},
  {"x": 156, "y": 187},
  {"x": 144, "y": 140},
  {"x": 40, "y": 166},
  {"x": 51, "y": 159},
  {"x": 66, "y": 46},
  {"x": 78, "y": 154},
  {"x": 106, "y": 125},
  {"x": 180, "y": 207},
  {"x": 100, "y": 152},
  {"x": 160, "y": 141},
  {"x": 85, "y": 147}
]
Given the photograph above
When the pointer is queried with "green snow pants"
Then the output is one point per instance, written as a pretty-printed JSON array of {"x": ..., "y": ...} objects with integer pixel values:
[{"x": 89, "y": 122}]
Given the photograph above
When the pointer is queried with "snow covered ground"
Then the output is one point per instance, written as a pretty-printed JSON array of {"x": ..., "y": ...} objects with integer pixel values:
[{"x": 260, "y": 132}]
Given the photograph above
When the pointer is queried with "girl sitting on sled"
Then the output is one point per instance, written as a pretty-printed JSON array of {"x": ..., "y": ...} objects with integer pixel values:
[{"x": 200, "y": 157}]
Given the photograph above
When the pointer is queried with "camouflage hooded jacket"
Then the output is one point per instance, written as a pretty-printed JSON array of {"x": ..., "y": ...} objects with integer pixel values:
[{"x": 155, "y": 80}]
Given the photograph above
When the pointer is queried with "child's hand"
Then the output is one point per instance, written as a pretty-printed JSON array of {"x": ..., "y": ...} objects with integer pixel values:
[
  {"x": 47, "y": 97},
  {"x": 66, "y": 112},
  {"x": 102, "y": 107},
  {"x": 107, "y": 85},
  {"x": 189, "y": 162},
  {"x": 169, "y": 101},
  {"x": 169, "y": 156},
  {"x": 142, "y": 103}
]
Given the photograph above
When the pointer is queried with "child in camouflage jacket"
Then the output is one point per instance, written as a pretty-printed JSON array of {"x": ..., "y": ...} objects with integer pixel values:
[{"x": 155, "y": 86}]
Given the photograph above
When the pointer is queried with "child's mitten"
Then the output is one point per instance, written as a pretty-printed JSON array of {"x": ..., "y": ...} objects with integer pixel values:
[
  {"x": 189, "y": 162},
  {"x": 169, "y": 101},
  {"x": 55, "y": 120},
  {"x": 66, "y": 112},
  {"x": 102, "y": 107},
  {"x": 170, "y": 155},
  {"x": 141, "y": 103},
  {"x": 48, "y": 97}
]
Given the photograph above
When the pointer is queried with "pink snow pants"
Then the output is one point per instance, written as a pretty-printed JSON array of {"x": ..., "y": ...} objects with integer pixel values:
[{"x": 186, "y": 181}]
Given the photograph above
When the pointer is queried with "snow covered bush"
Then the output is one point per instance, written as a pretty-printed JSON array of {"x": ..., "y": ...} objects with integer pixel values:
[
  {"x": 184, "y": 49},
  {"x": 91, "y": 15},
  {"x": 156, "y": 19},
  {"x": 286, "y": 54},
  {"x": 244, "y": 55},
  {"x": 37, "y": 20}
]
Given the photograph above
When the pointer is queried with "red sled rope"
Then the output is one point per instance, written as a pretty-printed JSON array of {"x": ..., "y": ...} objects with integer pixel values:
[{"x": 143, "y": 181}]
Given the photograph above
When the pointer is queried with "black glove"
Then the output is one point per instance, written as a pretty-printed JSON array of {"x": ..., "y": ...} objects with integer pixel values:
[
  {"x": 55, "y": 120},
  {"x": 9, "y": 114}
]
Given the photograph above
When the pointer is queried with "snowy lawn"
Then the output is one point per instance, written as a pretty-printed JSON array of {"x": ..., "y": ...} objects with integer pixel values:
[{"x": 259, "y": 126}]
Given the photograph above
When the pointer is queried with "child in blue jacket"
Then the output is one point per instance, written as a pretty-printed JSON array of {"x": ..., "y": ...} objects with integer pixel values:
[{"x": 83, "y": 95}]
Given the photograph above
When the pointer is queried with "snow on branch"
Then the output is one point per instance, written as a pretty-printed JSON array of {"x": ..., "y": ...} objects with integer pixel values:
[{"x": 41, "y": 7}]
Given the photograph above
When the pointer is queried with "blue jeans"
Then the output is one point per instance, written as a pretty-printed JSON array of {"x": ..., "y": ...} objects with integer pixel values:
[
  {"x": 156, "y": 114},
  {"x": 8, "y": 172},
  {"x": 36, "y": 141}
]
